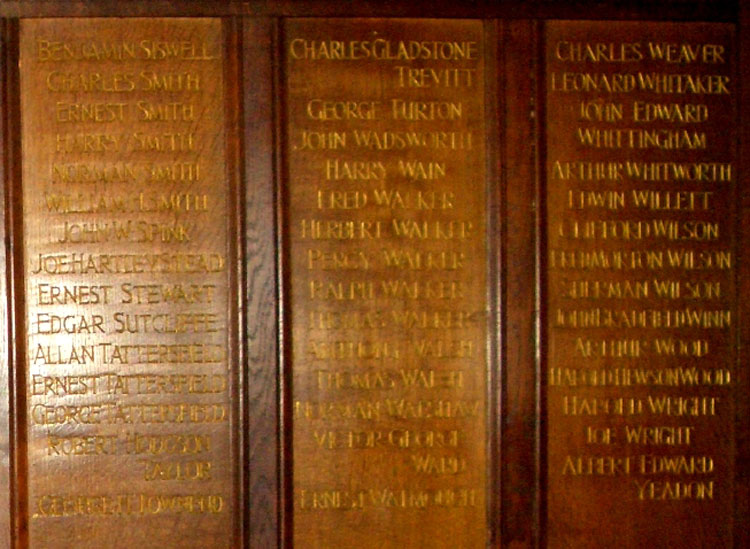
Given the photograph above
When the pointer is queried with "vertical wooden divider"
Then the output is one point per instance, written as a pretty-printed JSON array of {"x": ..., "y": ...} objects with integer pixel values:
[
  {"x": 262, "y": 292},
  {"x": 493, "y": 105},
  {"x": 18, "y": 510},
  {"x": 518, "y": 140},
  {"x": 7, "y": 448},
  {"x": 742, "y": 342},
  {"x": 316, "y": 375}
]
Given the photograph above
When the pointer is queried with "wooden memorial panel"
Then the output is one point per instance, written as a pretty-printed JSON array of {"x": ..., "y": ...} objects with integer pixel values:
[
  {"x": 127, "y": 270},
  {"x": 386, "y": 284},
  {"x": 641, "y": 300}
]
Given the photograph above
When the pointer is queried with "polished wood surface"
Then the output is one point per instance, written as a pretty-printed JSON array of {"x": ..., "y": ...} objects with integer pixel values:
[
  {"x": 8, "y": 442},
  {"x": 641, "y": 377},
  {"x": 387, "y": 293},
  {"x": 126, "y": 247},
  {"x": 288, "y": 477},
  {"x": 264, "y": 390},
  {"x": 518, "y": 383},
  {"x": 742, "y": 409}
]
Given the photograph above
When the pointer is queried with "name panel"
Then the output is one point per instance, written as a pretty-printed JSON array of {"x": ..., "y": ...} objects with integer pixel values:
[
  {"x": 641, "y": 305},
  {"x": 126, "y": 273},
  {"x": 386, "y": 282}
]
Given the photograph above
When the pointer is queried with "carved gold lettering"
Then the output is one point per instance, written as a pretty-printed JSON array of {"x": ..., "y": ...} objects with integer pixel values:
[
  {"x": 686, "y": 53},
  {"x": 399, "y": 140},
  {"x": 338, "y": 170},
  {"x": 165, "y": 112},
  {"x": 664, "y": 83},
  {"x": 659, "y": 435},
  {"x": 46, "y": 324},
  {"x": 51, "y": 294},
  {"x": 598, "y": 52},
  {"x": 126, "y": 414},
  {"x": 342, "y": 200},
  {"x": 639, "y": 377},
  {"x": 409, "y": 77},
  {"x": 90, "y": 82},
  {"x": 176, "y": 470},
  {"x": 336, "y": 261},
  {"x": 90, "y": 112},
  {"x": 319, "y": 109},
  {"x": 402, "y": 109},
  {"x": 600, "y": 317},
  {"x": 170, "y": 444},
  {"x": 597, "y": 466},
  {"x": 185, "y": 50},
  {"x": 652, "y": 259},
  {"x": 165, "y": 323},
  {"x": 76, "y": 173},
  {"x": 136, "y": 504},
  {"x": 687, "y": 113},
  {"x": 382, "y": 49},
  {"x": 167, "y": 81},
  {"x": 69, "y": 143},
  {"x": 88, "y": 263},
  {"x": 95, "y": 445},
  {"x": 626, "y": 229},
  {"x": 675, "y": 491},
  {"x": 313, "y": 141}
]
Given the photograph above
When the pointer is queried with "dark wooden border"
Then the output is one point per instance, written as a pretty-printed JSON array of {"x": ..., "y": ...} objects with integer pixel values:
[
  {"x": 516, "y": 190},
  {"x": 540, "y": 258},
  {"x": 262, "y": 292},
  {"x": 16, "y": 303},
  {"x": 674, "y": 10},
  {"x": 231, "y": 37},
  {"x": 6, "y": 448},
  {"x": 742, "y": 369},
  {"x": 286, "y": 431},
  {"x": 517, "y": 326},
  {"x": 493, "y": 46}
]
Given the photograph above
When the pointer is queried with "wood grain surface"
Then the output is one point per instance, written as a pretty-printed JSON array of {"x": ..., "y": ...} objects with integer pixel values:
[
  {"x": 213, "y": 150},
  {"x": 641, "y": 372},
  {"x": 129, "y": 368},
  {"x": 387, "y": 294},
  {"x": 264, "y": 389}
]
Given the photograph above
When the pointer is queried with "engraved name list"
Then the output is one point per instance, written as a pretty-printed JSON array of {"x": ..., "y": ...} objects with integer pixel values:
[{"x": 126, "y": 278}]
